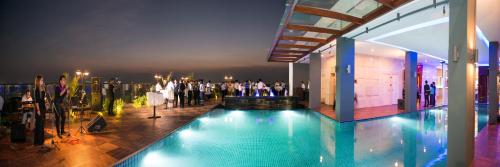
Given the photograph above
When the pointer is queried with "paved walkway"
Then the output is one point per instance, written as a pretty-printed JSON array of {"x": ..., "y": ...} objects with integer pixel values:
[
  {"x": 487, "y": 147},
  {"x": 365, "y": 113},
  {"x": 124, "y": 135}
]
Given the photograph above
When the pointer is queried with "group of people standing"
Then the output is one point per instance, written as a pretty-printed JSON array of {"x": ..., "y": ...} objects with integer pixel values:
[
  {"x": 430, "y": 94},
  {"x": 249, "y": 88},
  {"x": 175, "y": 92}
]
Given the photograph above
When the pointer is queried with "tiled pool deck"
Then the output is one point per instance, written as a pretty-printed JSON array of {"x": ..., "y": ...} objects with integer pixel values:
[
  {"x": 133, "y": 131},
  {"x": 123, "y": 136},
  {"x": 366, "y": 113},
  {"x": 487, "y": 147}
]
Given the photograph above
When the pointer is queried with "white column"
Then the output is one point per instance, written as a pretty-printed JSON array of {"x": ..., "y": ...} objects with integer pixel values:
[{"x": 461, "y": 68}]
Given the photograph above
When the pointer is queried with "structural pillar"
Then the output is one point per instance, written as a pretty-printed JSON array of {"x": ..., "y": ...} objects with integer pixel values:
[
  {"x": 410, "y": 86},
  {"x": 492, "y": 83},
  {"x": 314, "y": 80},
  {"x": 344, "y": 88},
  {"x": 290, "y": 79},
  {"x": 461, "y": 68}
]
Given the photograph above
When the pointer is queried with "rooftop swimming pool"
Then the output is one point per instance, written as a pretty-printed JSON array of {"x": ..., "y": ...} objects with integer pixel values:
[{"x": 302, "y": 138}]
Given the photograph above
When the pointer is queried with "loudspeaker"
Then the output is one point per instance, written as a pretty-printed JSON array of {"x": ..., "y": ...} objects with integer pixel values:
[
  {"x": 96, "y": 94},
  {"x": 96, "y": 124},
  {"x": 18, "y": 133}
]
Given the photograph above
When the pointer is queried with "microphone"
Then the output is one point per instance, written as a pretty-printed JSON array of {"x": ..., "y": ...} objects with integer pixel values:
[{"x": 47, "y": 95}]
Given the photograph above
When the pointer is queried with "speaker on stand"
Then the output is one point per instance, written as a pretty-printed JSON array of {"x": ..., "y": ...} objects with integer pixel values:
[{"x": 96, "y": 94}]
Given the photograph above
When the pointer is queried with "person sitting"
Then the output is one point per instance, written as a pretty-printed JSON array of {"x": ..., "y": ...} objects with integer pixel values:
[{"x": 27, "y": 104}]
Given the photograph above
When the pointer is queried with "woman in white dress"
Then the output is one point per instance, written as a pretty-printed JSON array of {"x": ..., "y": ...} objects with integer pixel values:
[{"x": 170, "y": 93}]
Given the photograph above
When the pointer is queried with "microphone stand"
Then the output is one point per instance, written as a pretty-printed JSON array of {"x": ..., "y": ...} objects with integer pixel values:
[
  {"x": 54, "y": 112},
  {"x": 69, "y": 113},
  {"x": 82, "y": 129},
  {"x": 71, "y": 140}
]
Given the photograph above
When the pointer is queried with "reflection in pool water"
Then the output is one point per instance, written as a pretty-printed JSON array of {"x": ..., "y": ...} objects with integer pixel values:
[{"x": 302, "y": 138}]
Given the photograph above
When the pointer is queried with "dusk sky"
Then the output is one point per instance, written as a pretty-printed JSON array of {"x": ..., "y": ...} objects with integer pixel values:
[{"x": 134, "y": 39}]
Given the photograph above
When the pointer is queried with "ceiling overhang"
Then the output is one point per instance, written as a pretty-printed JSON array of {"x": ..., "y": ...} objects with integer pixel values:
[{"x": 309, "y": 24}]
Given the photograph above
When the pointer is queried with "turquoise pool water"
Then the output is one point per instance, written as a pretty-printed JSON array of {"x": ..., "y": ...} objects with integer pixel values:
[{"x": 302, "y": 138}]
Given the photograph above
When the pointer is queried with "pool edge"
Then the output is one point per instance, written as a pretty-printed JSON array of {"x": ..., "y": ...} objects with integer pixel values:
[{"x": 166, "y": 135}]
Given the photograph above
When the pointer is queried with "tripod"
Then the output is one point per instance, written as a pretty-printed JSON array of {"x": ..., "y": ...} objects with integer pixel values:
[
  {"x": 54, "y": 112},
  {"x": 70, "y": 139},
  {"x": 69, "y": 119},
  {"x": 81, "y": 128}
]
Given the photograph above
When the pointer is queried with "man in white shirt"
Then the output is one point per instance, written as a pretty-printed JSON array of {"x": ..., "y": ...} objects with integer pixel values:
[
  {"x": 260, "y": 87},
  {"x": 27, "y": 114},
  {"x": 190, "y": 92},
  {"x": 202, "y": 92},
  {"x": 241, "y": 87},
  {"x": 208, "y": 91}
]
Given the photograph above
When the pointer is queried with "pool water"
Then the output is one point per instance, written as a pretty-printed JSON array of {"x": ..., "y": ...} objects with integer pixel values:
[{"x": 302, "y": 138}]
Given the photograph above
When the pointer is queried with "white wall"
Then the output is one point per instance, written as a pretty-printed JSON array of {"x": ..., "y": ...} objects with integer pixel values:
[
  {"x": 380, "y": 80},
  {"x": 327, "y": 68}
]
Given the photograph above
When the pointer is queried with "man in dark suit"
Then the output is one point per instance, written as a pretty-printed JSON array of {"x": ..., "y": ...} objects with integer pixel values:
[
  {"x": 111, "y": 94},
  {"x": 427, "y": 92},
  {"x": 182, "y": 88}
]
